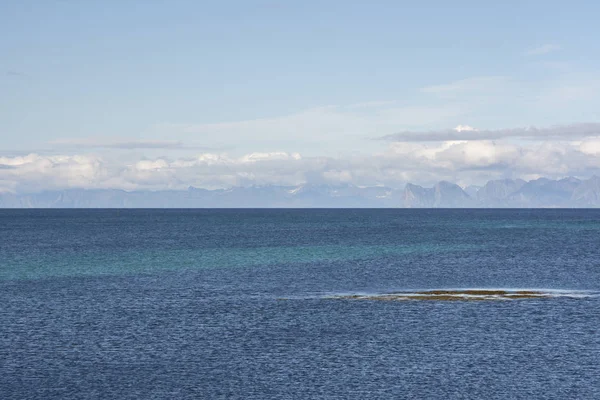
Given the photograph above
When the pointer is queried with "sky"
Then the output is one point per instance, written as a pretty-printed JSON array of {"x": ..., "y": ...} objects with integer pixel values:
[{"x": 171, "y": 94}]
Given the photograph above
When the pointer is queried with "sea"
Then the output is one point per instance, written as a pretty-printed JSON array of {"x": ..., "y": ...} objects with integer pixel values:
[{"x": 257, "y": 304}]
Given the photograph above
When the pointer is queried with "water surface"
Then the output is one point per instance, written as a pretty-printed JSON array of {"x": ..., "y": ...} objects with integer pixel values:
[{"x": 187, "y": 304}]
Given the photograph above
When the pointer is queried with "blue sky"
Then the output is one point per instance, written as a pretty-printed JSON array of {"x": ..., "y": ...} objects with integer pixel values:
[{"x": 182, "y": 79}]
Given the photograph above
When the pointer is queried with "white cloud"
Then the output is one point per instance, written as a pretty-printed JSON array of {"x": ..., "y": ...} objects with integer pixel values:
[
  {"x": 464, "y": 161},
  {"x": 467, "y": 128},
  {"x": 326, "y": 130},
  {"x": 478, "y": 154},
  {"x": 335, "y": 143},
  {"x": 147, "y": 165},
  {"x": 34, "y": 171},
  {"x": 278, "y": 155},
  {"x": 557, "y": 97},
  {"x": 590, "y": 146}
]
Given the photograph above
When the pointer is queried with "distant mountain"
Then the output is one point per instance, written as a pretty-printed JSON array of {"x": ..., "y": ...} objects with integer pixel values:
[
  {"x": 450, "y": 195},
  {"x": 543, "y": 192},
  {"x": 587, "y": 193},
  {"x": 538, "y": 193},
  {"x": 416, "y": 196},
  {"x": 442, "y": 195},
  {"x": 326, "y": 196},
  {"x": 496, "y": 192},
  {"x": 472, "y": 190}
]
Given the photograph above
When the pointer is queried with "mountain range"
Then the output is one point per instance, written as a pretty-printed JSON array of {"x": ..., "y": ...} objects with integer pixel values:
[{"x": 506, "y": 193}]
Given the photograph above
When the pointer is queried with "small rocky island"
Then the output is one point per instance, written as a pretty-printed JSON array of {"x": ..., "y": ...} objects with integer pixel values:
[{"x": 451, "y": 295}]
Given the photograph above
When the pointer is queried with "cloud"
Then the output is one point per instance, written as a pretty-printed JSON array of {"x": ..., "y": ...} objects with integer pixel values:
[
  {"x": 590, "y": 146},
  {"x": 467, "y": 128},
  {"x": 37, "y": 172},
  {"x": 278, "y": 155},
  {"x": 322, "y": 130},
  {"x": 319, "y": 145},
  {"x": 463, "y": 161},
  {"x": 565, "y": 132},
  {"x": 557, "y": 96},
  {"x": 125, "y": 144},
  {"x": 543, "y": 49}
]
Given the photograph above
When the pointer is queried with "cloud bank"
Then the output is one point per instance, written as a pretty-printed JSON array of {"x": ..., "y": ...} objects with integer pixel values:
[
  {"x": 353, "y": 144},
  {"x": 464, "y": 155}
]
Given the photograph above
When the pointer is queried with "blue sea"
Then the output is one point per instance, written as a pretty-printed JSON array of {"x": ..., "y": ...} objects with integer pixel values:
[{"x": 237, "y": 304}]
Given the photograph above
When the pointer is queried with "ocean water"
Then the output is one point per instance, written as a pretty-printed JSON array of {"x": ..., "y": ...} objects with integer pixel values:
[{"x": 236, "y": 304}]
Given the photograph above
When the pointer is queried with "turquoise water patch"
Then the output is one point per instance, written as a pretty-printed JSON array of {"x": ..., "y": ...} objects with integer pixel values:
[{"x": 41, "y": 265}]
